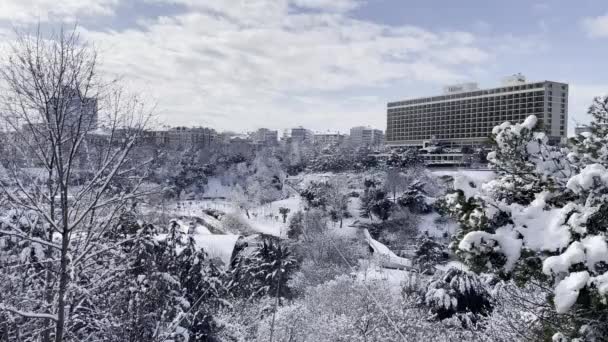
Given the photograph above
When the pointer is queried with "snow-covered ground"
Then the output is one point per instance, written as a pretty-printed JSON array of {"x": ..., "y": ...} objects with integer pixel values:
[
  {"x": 394, "y": 277},
  {"x": 480, "y": 176},
  {"x": 436, "y": 226},
  {"x": 266, "y": 219}
]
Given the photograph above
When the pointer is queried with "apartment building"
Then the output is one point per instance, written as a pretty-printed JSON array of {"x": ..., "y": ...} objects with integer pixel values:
[
  {"x": 265, "y": 137},
  {"x": 181, "y": 137},
  {"x": 301, "y": 134},
  {"x": 366, "y": 136},
  {"x": 77, "y": 109},
  {"x": 329, "y": 138},
  {"x": 465, "y": 115}
]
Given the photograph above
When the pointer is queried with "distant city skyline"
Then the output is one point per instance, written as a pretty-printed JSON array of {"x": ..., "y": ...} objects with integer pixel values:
[{"x": 326, "y": 64}]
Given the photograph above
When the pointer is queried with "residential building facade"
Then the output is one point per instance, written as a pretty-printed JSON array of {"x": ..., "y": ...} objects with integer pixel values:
[
  {"x": 366, "y": 136},
  {"x": 329, "y": 138},
  {"x": 77, "y": 109},
  {"x": 186, "y": 137},
  {"x": 465, "y": 115},
  {"x": 301, "y": 134},
  {"x": 265, "y": 137}
]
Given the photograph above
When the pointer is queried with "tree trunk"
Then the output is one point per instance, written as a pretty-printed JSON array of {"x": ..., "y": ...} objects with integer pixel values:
[
  {"x": 276, "y": 305},
  {"x": 63, "y": 271},
  {"x": 63, "y": 284}
]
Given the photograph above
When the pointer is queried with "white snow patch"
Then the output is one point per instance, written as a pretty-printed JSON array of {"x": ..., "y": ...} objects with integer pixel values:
[
  {"x": 587, "y": 178},
  {"x": 505, "y": 238},
  {"x": 217, "y": 246},
  {"x": 559, "y": 264},
  {"x": 566, "y": 292}
]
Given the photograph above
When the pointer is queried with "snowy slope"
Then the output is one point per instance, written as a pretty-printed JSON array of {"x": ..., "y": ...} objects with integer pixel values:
[{"x": 384, "y": 256}]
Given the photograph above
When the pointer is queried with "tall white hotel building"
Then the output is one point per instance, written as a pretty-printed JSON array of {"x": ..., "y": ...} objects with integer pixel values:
[{"x": 465, "y": 115}]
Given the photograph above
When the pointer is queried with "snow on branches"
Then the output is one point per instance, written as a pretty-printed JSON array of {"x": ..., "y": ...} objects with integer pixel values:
[{"x": 544, "y": 217}]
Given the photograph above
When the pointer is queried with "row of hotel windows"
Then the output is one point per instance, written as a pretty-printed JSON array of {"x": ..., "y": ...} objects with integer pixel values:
[
  {"x": 486, "y": 106},
  {"x": 476, "y": 93},
  {"x": 476, "y": 117},
  {"x": 478, "y": 103},
  {"x": 491, "y": 111},
  {"x": 444, "y": 107},
  {"x": 445, "y": 133}
]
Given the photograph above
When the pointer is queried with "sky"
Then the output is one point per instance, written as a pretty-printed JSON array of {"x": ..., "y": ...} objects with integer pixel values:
[{"x": 326, "y": 65}]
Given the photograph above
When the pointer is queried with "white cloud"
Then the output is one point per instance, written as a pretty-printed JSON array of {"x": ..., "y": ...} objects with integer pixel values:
[
  {"x": 248, "y": 63},
  {"x": 328, "y": 5},
  {"x": 31, "y": 11},
  {"x": 596, "y": 27},
  {"x": 580, "y": 98}
]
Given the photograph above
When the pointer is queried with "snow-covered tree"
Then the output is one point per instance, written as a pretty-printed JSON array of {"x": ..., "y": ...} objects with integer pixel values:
[
  {"x": 295, "y": 226},
  {"x": 395, "y": 182},
  {"x": 338, "y": 198},
  {"x": 416, "y": 199},
  {"x": 284, "y": 212},
  {"x": 53, "y": 100},
  {"x": 542, "y": 220},
  {"x": 188, "y": 175},
  {"x": 316, "y": 194},
  {"x": 375, "y": 202},
  {"x": 242, "y": 199},
  {"x": 460, "y": 294},
  {"x": 430, "y": 253},
  {"x": 263, "y": 272}
]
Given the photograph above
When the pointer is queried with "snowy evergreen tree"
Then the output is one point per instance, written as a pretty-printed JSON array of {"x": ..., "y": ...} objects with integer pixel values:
[
  {"x": 375, "y": 202},
  {"x": 415, "y": 198},
  {"x": 458, "y": 294},
  {"x": 264, "y": 272},
  {"x": 429, "y": 253}
]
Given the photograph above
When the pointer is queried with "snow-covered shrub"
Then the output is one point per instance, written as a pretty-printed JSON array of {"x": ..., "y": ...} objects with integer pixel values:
[
  {"x": 295, "y": 226},
  {"x": 460, "y": 294},
  {"x": 324, "y": 257},
  {"x": 157, "y": 279},
  {"x": 306, "y": 225},
  {"x": 405, "y": 158},
  {"x": 413, "y": 287},
  {"x": 316, "y": 194},
  {"x": 315, "y": 222},
  {"x": 519, "y": 313},
  {"x": 24, "y": 267},
  {"x": 335, "y": 162},
  {"x": 347, "y": 309},
  {"x": 415, "y": 199},
  {"x": 240, "y": 321}
]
